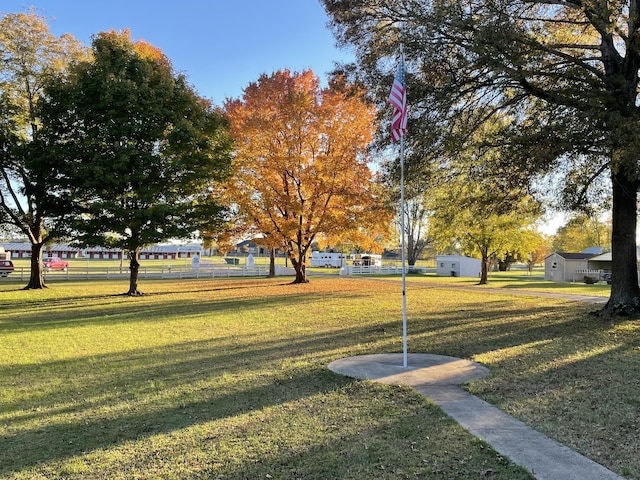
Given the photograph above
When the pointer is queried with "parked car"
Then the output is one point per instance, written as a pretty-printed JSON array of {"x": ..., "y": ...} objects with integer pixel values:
[
  {"x": 55, "y": 263},
  {"x": 6, "y": 267},
  {"x": 607, "y": 277}
]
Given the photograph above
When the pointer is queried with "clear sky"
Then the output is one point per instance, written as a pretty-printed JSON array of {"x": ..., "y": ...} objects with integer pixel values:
[{"x": 221, "y": 45}]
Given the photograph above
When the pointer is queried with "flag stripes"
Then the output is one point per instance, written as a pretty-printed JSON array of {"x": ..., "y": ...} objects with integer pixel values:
[{"x": 398, "y": 98}]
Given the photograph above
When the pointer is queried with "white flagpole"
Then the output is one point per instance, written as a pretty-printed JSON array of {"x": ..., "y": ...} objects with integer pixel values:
[
  {"x": 402, "y": 227},
  {"x": 398, "y": 98},
  {"x": 402, "y": 256}
]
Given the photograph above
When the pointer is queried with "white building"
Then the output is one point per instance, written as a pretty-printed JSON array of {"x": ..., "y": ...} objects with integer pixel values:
[
  {"x": 457, "y": 266},
  {"x": 567, "y": 267}
]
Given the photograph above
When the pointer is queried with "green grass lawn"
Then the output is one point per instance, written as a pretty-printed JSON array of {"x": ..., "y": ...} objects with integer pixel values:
[
  {"x": 517, "y": 279},
  {"x": 227, "y": 379}
]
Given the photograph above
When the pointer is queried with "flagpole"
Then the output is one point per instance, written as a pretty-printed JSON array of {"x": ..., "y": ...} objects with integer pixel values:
[
  {"x": 402, "y": 256},
  {"x": 402, "y": 227},
  {"x": 398, "y": 98}
]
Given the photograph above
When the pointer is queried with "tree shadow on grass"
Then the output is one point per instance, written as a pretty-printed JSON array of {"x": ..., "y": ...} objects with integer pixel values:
[
  {"x": 105, "y": 310},
  {"x": 106, "y": 400},
  {"x": 479, "y": 327},
  {"x": 408, "y": 439},
  {"x": 66, "y": 408},
  {"x": 372, "y": 442},
  {"x": 140, "y": 404}
]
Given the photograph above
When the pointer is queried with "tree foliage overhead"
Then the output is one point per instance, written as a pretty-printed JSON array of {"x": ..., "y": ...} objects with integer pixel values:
[
  {"x": 563, "y": 73},
  {"x": 300, "y": 167},
  {"x": 132, "y": 148},
  {"x": 29, "y": 56}
]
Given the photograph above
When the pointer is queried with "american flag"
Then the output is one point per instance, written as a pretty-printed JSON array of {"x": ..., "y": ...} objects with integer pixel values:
[{"x": 398, "y": 98}]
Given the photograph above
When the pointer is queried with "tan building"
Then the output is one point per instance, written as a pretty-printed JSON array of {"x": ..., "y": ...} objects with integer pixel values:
[{"x": 567, "y": 267}]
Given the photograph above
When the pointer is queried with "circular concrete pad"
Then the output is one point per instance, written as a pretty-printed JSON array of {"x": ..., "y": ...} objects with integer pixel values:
[{"x": 421, "y": 369}]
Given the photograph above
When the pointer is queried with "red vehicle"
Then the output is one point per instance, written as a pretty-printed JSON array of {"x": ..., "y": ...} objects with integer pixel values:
[
  {"x": 6, "y": 267},
  {"x": 55, "y": 263}
]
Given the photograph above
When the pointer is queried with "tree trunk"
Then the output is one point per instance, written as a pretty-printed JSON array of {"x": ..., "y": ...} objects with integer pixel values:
[
  {"x": 300, "y": 268},
  {"x": 411, "y": 251},
  {"x": 484, "y": 268},
  {"x": 36, "y": 278},
  {"x": 134, "y": 266},
  {"x": 625, "y": 293},
  {"x": 272, "y": 262},
  {"x": 301, "y": 273}
]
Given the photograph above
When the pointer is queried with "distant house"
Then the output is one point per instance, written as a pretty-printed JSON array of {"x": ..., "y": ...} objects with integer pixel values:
[
  {"x": 17, "y": 249},
  {"x": 63, "y": 250},
  {"x": 252, "y": 247},
  {"x": 171, "y": 252},
  {"x": 256, "y": 248},
  {"x": 23, "y": 250},
  {"x": 601, "y": 262},
  {"x": 102, "y": 253},
  {"x": 457, "y": 266},
  {"x": 567, "y": 267}
]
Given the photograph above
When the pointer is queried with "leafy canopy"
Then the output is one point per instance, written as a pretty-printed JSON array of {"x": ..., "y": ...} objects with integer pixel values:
[
  {"x": 300, "y": 166},
  {"x": 132, "y": 148},
  {"x": 30, "y": 56},
  {"x": 563, "y": 73}
]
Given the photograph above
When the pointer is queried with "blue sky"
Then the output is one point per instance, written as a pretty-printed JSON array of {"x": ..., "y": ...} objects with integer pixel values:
[{"x": 221, "y": 45}]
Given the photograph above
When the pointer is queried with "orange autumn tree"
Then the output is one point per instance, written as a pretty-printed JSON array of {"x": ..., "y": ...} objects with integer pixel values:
[{"x": 301, "y": 163}]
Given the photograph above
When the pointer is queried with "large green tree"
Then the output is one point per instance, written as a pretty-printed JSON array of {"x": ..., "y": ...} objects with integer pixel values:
[
  {"x": 583, "y": 231},
  {"x": 29, "y": 56},
  {"x": 481, "y": 220},
  {"x": 131, "y": 147},
  {"x": 564, "y": 72}
]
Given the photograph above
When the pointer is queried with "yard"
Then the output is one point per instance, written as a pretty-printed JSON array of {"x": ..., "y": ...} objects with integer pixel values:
[{"x": 227, "y": 378}]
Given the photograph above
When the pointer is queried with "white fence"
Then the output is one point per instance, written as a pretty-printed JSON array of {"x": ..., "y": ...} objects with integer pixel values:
[
  {"x": 589, "y": 271},
  {"x": 383, "y": 270},
  {"x": 203, "y": 271},
  {"x": 581, "y": 273}
]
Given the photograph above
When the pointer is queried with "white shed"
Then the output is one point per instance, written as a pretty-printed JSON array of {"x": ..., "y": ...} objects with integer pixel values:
[
  {"x": 563, "y": 267},
  {"x": 457, "y": 266}
]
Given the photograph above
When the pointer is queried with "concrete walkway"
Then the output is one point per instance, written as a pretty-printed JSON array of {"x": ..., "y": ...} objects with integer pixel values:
[{"x": 437, "y": 376}]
